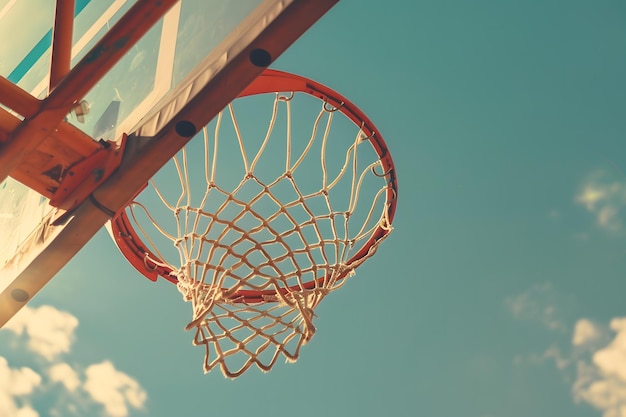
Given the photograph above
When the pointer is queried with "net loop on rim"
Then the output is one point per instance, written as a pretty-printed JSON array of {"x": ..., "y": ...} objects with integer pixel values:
[{"x": 257, "y": 246}]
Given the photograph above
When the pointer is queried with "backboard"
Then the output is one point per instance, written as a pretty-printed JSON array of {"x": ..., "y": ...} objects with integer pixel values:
[{"x": 195, "y": 59}]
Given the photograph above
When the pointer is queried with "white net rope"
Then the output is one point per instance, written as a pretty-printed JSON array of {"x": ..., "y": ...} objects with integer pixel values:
[{"x": 264, "y": 239}]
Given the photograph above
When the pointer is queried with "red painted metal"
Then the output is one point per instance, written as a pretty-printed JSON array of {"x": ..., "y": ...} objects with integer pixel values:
[
  {"x": 138, "y": 253},
  {"x": 83, "y": 177},
  {"x": 16, "y": 99}
]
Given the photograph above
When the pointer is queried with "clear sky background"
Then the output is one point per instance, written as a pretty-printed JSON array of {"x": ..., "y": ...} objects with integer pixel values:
[{"x": 499, "y": 294}]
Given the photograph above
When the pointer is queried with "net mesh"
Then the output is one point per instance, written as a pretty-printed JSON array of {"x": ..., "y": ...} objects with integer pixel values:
[{"x": 262, "y": 243}]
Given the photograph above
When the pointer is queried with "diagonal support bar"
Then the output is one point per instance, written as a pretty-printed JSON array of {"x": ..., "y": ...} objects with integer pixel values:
[{"x": 16, "y": 99}]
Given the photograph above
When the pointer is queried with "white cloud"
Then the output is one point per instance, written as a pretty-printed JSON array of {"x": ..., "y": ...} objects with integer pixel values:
[
  {"x": 612, "y": 359},
  {"x": 584, "y": 332},
  {"x": 15, "y": 384},
  {"x": 50, "y": 332},
  {"x": 64, "y": 374},
  {"x": 27, "y": 411},
  {"x": 606, "y": 395},
  {"x": 78, "y": 390},
  {"x": 115, "y": 390},
  {"x": 595, "y": 363},
  {"x": 537, "y": 304},
  {"x": 601, "y": 382},
  {"x": 590, "y": 196},
  {"x": 604, "y": 197}
]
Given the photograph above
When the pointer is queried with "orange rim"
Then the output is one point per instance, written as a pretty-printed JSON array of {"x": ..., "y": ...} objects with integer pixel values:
[{"x": 272, "y": 81}]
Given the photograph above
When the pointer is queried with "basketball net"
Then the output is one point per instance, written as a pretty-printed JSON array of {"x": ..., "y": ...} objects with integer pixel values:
[{"x": 257, "y": 254}]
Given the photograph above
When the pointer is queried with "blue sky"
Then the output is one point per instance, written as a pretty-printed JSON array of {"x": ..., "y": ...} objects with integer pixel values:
[{"x": 500, "y": 292}]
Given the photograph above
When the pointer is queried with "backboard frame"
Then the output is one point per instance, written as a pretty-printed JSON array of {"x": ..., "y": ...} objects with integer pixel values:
[{"x": 256, "y": 42}]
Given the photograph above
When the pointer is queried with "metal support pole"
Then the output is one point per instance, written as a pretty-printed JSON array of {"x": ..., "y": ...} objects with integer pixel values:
[{"x": 61, "y": 41}]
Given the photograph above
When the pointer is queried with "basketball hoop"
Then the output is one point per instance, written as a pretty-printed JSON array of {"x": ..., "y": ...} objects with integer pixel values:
[{"x": 258, "y": 243}]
